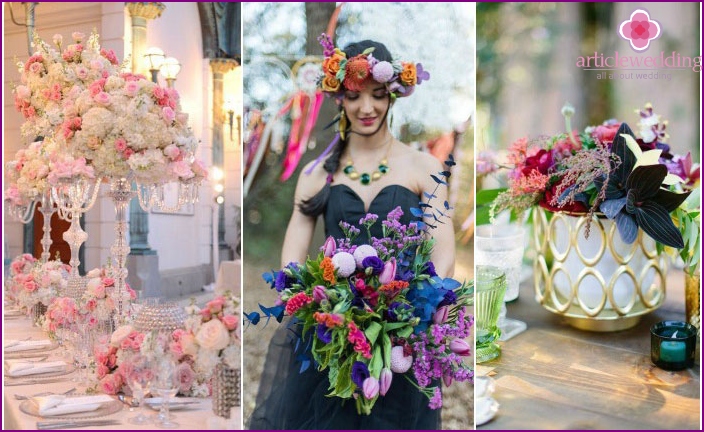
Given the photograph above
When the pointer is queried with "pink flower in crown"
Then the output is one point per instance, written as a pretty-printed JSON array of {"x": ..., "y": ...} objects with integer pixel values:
[{"x": 639, "y": 30}]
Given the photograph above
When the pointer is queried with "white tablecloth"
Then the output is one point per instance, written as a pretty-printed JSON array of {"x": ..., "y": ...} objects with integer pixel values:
[
  {"x": 228, "y": 278},
  {"x": 198, "y": 418}
]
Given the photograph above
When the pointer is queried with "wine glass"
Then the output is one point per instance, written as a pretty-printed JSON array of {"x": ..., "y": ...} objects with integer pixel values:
[
  {"x": 166, "y": 386},
  {"x": 138, "y": 379},
  {"x": 503, "y": 246}
]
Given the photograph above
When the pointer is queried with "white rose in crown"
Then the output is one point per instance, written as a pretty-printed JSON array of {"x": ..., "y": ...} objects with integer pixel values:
[
  {"x": 213, "y": 335},
  {"x": 120, "y": 334}
]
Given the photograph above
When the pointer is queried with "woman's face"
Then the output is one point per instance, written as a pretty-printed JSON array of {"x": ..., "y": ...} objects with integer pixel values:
[{"x": 366, "y": 110}]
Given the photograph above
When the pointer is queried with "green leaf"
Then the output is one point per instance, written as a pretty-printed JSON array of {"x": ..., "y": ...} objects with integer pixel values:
[
  {"x": 405, "y": 332},
  {"x": 487, "y": 196},
  {"x": 372, "y": 332},
  {"x": 376, "y": 363}
]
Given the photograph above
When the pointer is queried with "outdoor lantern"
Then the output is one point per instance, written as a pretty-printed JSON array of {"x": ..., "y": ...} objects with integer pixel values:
[
  {"x": 170, "y": 68},
  {"x": 153, "y": 59}
]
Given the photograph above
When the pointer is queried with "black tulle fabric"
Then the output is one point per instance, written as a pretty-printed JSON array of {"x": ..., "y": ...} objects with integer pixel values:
[{"x": 288, "y": 399}]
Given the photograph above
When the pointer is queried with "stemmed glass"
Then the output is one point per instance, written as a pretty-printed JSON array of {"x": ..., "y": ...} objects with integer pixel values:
[
  {"x": 503, "y": 246},
  {"x": 166, "y": 385},
  {"x": 138, "y": 379}
]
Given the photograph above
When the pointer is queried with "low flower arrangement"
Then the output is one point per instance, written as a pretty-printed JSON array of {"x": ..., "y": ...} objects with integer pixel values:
[
  {"x": 98, "y": 301},
  {"x": 44, "y": 282},
  {"x": 607, "y": 169},
  {"x": 376, "y": 312},
  {"x": 20, "y": 267},
  {"x": 210, "y": 336}
]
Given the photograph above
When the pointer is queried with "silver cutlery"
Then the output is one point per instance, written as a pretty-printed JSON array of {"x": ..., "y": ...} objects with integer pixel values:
[
  {"x": 130, "y": 403},
  {"x": 22, "y": 397},
  {"x": 74, "y": 424},
  {"x": 33, "y": 381}
]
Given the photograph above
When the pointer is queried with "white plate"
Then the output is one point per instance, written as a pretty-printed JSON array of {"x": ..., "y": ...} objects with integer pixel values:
[
  {"x": 483, "y": 386},
  {"x": 485, "y": 409}
]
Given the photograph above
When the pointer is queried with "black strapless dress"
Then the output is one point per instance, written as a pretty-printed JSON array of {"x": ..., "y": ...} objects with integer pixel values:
[{"x": 288, "y": 399}]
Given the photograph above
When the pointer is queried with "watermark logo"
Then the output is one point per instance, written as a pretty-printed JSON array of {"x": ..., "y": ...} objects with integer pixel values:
[{"x": 639, "y": 30}]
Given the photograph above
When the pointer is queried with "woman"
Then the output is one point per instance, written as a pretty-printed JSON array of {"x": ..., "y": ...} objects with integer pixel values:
[{"x": 368, "y": 171}]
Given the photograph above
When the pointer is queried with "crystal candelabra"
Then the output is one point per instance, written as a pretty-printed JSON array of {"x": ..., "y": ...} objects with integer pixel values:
[
  {"x": 47, "y": 209},
  {"x": 22, "y": 213},
  {"x": 73, "y": 198},
  {"x": 121, "y": 193},
  {"x": 154, "y": 196}
]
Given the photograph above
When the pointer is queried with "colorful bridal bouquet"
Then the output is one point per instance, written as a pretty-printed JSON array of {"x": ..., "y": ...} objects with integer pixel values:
[
  {"x": 607, "y": 169},
  {"x": 377, "y": 312},
  {"x": 210, "y": 336}
]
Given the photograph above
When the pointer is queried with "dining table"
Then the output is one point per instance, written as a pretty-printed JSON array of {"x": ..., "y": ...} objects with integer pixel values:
[
  {"x": 554, "y": 376},
  {"x": 194, "y": 416}
]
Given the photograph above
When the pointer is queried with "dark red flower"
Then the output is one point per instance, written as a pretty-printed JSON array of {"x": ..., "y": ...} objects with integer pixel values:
[
  {"x": 605, "y": 133},
  {"x": 541, "y": 161},
  {"x": 546, "y": 202}
]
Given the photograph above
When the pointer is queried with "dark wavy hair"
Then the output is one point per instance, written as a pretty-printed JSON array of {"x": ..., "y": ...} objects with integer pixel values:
[{"x": 316, "y": 204}]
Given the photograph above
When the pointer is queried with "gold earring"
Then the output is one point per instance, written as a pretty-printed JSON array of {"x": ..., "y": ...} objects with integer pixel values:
[{"x": 342, "y": 124}]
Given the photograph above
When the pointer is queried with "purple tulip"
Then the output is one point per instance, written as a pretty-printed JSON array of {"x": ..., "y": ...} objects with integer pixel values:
[
  {"x": 389, "y": 273},
  {"x": 441, "y": 315},
  {"x": 319, "y": 294},
  {"x": 385, "y": 381},
  {"x": 447, "y": 379},
  {"x": 370, "y": 388},
  {"x": 329, "y": 247},
  {"x": 460, "y": 347}
]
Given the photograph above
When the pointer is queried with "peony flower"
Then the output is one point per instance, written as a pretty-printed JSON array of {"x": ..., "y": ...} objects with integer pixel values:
[
  {"x": 362, "y": 252},
  {"x": 400, "y": 363},
  {"x": 344, "y": 263},
  {"x": 213, "y": 336}
]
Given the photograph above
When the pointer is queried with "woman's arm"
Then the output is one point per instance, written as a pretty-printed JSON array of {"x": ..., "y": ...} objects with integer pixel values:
[
  {"x": 443, "y": 255},
  {"x": 300, "y": 227}
]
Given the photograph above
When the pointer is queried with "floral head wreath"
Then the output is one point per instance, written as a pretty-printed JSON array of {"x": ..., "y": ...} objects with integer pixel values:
[{"x": 341, "y": 73}]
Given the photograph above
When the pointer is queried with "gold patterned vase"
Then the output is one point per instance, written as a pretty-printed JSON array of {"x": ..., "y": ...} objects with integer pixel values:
[{"x": 597, "y": 283}]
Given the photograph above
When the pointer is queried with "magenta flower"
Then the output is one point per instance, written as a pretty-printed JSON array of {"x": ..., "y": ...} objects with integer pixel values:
[
  {"x": 329, "y": 247},
  {"x": 460, "y": 347},
  {"x": 319, "y": 294},
  {"x": 436, "y": 400},
  {"x": 441, "y": 315}
]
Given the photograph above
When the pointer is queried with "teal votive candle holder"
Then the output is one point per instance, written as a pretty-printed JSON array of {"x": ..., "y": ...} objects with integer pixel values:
[{"x": 672, "y": 345}]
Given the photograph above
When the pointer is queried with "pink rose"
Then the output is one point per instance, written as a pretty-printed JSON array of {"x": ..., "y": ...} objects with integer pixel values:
[
  {"x": 96, "y": 65},
  {"x": 172, "y": 152},
  {"x": 120, "y": 145},
  {"x": 102, "y": 98},
  {"x": 82, "y": 72},
  {"x": 329, "y": 247},
  {"x": 91, "y": 304},
  {"x": 168, "y": 114},
  {"x": 159, "y": 92},
  {"x": 78, "y": 36},
  {"x": 111, "y": 384},
  {"x": 36, "y": 67},
  {"x": 230, "y": 322},
  {"x": 99, "y": 291},
  {"x": 216, "y": 304},
  {"x": 185, "y": 376},
  {"x": 23, "y": 92},
  {"x": 181, "y": 169},
  {"x": 131, "y": 88}
]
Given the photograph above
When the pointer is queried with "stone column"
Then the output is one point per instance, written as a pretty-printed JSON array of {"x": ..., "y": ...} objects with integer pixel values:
[
  {"x": 220, "y": 67},
  {"x": 142, "y": 262}
]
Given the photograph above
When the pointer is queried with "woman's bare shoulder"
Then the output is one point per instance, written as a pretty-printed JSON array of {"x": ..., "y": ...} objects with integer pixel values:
[{"x": 310, "y": 183}]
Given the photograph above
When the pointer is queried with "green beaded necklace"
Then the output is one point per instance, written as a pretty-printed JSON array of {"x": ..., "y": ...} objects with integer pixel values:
[{"x": 366, "y": 178}]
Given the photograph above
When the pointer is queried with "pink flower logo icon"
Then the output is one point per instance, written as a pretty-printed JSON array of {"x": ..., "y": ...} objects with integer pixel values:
[{"x": 639, "y": 30}]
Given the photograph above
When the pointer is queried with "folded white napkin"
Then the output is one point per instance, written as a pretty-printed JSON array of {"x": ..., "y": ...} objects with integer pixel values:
[
  {"x": 12, "y": 345},
  {"x": 59, "y": 404},
  {"x": 17, "y": 368},
  {"x": 12, "y": 312}
]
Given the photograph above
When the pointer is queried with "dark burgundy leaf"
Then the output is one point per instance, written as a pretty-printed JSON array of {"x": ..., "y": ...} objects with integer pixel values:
[
  {"x": 620, "y": 149},
  {"x": 646, "y": 180},
  {"x": 655, "y": 220},
  {"x": 670, "y": 200}
]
